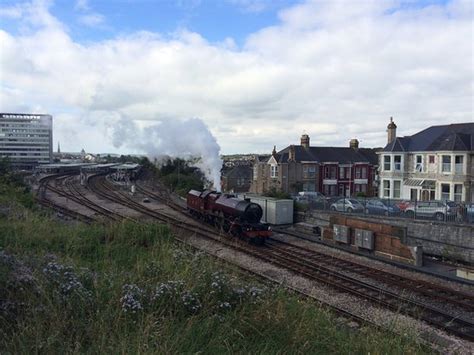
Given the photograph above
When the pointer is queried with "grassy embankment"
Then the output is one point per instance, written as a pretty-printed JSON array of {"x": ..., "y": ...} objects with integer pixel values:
[{"x": 131, "y": 288}]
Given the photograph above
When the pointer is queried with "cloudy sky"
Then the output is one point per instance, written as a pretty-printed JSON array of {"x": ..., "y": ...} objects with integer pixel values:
[{"x": 257, "y": 72}]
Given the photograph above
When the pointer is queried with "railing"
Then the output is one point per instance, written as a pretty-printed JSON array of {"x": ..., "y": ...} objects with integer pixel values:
[{"x": 439, "y": 211}]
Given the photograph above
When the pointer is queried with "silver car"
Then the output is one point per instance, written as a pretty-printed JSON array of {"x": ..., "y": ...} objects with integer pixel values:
[
  {"x": 348, "y": 205},
  {"x": 438, "y": 210}
]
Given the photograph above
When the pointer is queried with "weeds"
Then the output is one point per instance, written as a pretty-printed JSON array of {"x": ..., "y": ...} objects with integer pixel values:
[{"x": 129, "y": 288}]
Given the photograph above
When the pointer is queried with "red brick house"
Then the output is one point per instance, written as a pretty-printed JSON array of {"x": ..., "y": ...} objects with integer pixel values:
[{"x": 334, "y": 171}]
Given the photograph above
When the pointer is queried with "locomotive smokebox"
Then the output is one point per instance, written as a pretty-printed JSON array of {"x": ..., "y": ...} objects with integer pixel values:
[{"x": 243, "y": 209}]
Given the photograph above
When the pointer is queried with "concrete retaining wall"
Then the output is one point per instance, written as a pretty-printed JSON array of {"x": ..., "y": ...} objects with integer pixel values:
[{"x": 453, "y": 241}]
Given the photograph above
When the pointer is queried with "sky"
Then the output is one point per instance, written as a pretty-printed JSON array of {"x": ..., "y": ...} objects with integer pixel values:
[{"x": 257, "y": 73}]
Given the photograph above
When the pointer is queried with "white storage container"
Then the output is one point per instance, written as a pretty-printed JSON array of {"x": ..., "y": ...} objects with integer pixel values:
[{"x": 275, "y": 211}]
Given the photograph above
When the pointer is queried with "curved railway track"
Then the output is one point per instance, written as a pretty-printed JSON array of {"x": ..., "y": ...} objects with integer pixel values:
[
  {"x": 44, "y": 201},
  {"x": 300, "y": 261}
]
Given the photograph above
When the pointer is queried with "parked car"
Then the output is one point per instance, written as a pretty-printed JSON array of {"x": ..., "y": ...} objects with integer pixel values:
[
  {"x": 347, "y": 205},
  {"x": 469, "y": 212},
  {"x": 311, "y": 195},
  {"x": 438, "y": 210},
  {"x": 403, "y": 205},
  {"x": 376, "y": 206}
]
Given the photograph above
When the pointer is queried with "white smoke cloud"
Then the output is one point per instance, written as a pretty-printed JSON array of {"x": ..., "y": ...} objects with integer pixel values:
[{"x": 175, "y": 138}]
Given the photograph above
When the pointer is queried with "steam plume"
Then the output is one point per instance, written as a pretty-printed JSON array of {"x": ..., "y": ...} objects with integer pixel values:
[{"x": 178, "y": 139}]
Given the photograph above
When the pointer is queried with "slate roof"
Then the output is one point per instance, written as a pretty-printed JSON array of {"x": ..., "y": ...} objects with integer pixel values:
[
  {"x": 239, "y": 171},
  {"x": 341, "y": 155},
  {"x": 262, "y": 158},
  {"x": 452, "y": 137}
]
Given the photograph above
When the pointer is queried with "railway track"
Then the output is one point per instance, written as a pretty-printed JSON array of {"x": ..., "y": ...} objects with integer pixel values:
[
  {"x": 455, "y": 298},
  {"x": 46, "y": 202},
  {"x": 315, "y": 266},
  {"x": 444, "y": 294},
  {"x": 79, "y": 198}
]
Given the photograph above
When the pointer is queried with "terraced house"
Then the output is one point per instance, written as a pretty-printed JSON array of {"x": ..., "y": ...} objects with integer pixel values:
[
  {"x": 434, "y": 164},
  {"x": 334, "y": 171}
]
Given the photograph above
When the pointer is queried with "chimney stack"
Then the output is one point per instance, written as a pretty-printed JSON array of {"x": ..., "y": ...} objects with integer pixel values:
[
  {"x": 391, "y": 131},
  {"x": 274, "y": 152},
  {"x": 291, "y": 154},
  {"x": 354, "y": 144},
  {"x": 305, "y": 141}
]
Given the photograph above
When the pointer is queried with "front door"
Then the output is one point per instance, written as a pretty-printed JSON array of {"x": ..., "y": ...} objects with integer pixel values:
[
  {"x": 413, "y": 194},
  {"x": 425, "y": 195},
  {"x": 341, "y": 189}
]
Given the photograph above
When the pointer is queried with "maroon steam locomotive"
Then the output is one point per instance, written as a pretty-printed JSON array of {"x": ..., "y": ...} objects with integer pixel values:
[{"x": 240, "y": 218}]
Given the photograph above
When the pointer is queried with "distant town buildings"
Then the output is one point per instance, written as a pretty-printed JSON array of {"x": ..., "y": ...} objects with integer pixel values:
[
  {"x": 334, "y": 171},
  {"x": 434, "y": 164},
  {"x": 26, "y": 139},
  {"x": 237, "y": 179}
]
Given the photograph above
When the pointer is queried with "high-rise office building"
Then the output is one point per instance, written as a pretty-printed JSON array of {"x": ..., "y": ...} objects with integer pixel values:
[{"x": 26, "y": 139}]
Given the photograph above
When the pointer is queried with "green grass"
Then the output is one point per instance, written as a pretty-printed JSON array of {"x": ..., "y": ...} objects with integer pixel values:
[{"x": 63, "y": 289}]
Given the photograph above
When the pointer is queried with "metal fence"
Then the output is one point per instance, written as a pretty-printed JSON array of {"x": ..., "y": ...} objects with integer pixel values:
[{"x": 440, "y": 211}]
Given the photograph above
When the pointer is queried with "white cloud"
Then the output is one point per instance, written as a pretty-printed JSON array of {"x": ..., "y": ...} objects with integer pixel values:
[
  {"x": 334, "y": 71},
  {"x": 252, "y": 6},
  {"x": 82, "y": 5},
  {"x": 92, "y": 19}
]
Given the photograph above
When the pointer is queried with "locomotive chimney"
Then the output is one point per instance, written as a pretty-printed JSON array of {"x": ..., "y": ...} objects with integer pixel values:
[
  {"x": 391, "y": 131},
  {"x": 305, "y": 141}
]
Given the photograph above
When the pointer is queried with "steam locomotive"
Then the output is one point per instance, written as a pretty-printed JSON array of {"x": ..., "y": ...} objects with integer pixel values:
[{"x": 240, "y": 218}]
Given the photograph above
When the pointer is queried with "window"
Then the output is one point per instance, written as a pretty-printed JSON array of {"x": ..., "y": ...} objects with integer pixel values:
[
  {"x": 431, "y": 159},
  {"x": 309, "y": 171},
  {"x": 348, "y": 173},
  {"x": 364, "y": 172},
  {"x": 458, "y": 164},
  {"x": 274, "y": 171},
  {"x": 445, "y": 191},
  {"x": 360, "y": 187},
  {"x": 396, "y": 188},
  {"x": 446, "y": 166},
  {"x": 419, "y": 163},
  {"x": 386, "y": 188},
  {"x": 329, "y": 190},
  {"x": 330, "y": 172},
  {"x": 341, "y": 173},
  {"x": 386, "y": 163},
  {"x": 358, "y": 173},
  {"x": 397, "y": 162},
  {"x": 457, "y": 193},
  {"x": 309, "y": 186}
]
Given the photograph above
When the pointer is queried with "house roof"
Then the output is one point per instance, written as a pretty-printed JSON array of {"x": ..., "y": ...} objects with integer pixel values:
[
  {"x": 240, "y": 171},
  {"x": 262, "y": 158},
  {"x": 341, "y": 155},
  {"x": 452, "y": 137}
]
